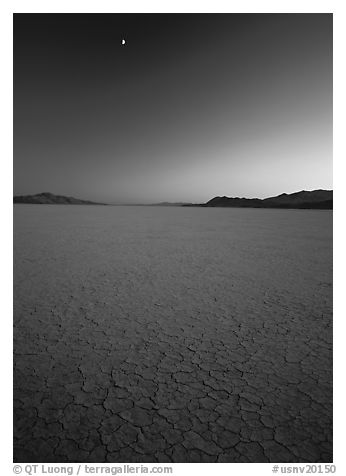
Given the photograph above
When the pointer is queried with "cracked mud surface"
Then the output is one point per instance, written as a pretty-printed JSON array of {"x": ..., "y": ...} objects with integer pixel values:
[{"x": 172, "y": 335}]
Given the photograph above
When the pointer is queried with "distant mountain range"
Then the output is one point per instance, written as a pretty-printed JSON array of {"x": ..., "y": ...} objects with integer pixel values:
[
  {"x": 319, "y": 199},
  {"x": 51, "y": 199},
  {"x": 171, "y": 204}
]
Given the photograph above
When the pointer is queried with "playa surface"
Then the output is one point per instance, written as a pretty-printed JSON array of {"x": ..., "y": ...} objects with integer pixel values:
[{"x": 150, "y": 334}]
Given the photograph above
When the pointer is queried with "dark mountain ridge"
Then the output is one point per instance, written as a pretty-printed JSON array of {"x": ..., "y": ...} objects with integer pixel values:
[
  {"x": 51, "y": 199},
  {"x": 315, "y": 199}
]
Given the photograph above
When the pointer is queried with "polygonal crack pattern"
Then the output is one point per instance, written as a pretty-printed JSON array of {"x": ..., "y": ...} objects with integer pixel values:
[{"x": 124, "y": 360}]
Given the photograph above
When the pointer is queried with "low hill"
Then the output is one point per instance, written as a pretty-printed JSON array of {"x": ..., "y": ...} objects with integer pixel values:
[
  {"x": 319, "y": 199},
  {"x": 51, "y": 199}
]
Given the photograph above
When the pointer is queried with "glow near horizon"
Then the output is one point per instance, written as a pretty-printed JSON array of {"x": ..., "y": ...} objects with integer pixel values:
[{"x": 244, "y": 112}]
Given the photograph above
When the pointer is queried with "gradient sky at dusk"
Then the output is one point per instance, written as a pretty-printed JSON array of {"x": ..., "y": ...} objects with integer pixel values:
[{"x": 193, "y": 106}]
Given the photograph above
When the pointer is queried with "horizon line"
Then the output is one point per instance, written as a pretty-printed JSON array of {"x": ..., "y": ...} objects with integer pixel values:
[{"x": 182, "y": 202}]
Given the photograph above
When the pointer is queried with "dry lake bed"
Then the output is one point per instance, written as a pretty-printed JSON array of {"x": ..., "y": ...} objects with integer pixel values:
[{"x": 172, "y": 334}]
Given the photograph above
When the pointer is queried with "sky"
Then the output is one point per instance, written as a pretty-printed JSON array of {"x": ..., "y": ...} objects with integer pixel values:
[{"x": 191, "y": 107}]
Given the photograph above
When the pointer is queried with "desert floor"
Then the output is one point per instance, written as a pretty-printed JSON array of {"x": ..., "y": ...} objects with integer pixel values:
[{"x": 159, "y": 334}]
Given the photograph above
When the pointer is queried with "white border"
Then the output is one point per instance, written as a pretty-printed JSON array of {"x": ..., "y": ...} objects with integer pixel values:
[{"x": 103, "y": 6}]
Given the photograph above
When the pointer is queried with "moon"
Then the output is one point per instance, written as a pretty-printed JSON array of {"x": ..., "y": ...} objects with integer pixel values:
[{"x": 123, "y": 41}]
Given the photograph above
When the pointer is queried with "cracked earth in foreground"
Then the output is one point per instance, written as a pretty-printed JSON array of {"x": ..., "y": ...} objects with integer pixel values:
[{"x": 150, "y": 334}]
